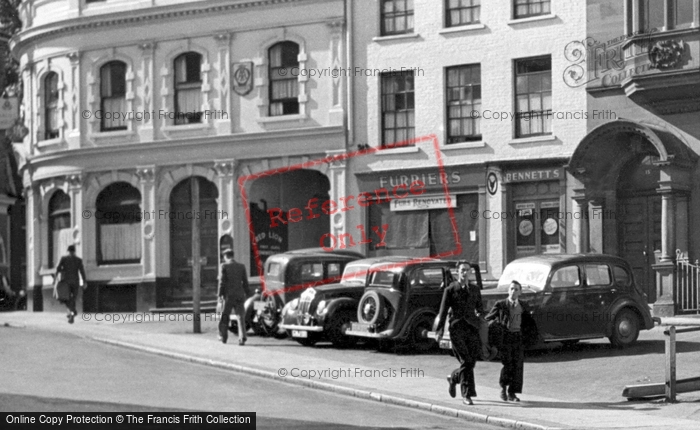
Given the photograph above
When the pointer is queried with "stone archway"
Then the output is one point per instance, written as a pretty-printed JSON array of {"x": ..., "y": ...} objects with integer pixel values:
[{"x": 632, "y": 180}]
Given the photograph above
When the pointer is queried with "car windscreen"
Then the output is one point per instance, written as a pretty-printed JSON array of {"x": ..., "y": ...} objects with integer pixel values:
[
  {"x": 383, "y": 279},
  {"x": 355, "y": 274},
  {"x": 530, "y": 275}
]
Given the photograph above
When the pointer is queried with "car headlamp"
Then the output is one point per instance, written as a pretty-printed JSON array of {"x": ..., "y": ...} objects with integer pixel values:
[{"x": 321, "y": 308}]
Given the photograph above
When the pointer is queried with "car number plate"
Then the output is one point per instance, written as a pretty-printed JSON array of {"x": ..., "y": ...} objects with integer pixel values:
[
  {"x": 258, "y": 306},
  {"x": 300, "y": 333},
  {"x": 360, "y": 327}
]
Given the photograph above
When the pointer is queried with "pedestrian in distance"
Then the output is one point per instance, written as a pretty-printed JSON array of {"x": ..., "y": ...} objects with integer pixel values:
[
  {"x": 233, "y": 291},
  {"x": 464, "y": 300},
  {"x": 517, "y": 329},
  {"x": 69, "y": 270}
]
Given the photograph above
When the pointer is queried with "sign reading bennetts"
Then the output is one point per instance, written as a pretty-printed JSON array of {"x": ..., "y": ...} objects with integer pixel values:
[{"x": 533, "y": 175}]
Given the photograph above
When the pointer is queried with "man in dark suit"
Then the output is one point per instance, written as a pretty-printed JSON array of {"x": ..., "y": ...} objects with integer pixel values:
[
  {"x": 233, "y": 290},
  {"x": 464, "y": 299},
  {"x": 518, "y": 328},
  {"x": 69, "y": 269}
]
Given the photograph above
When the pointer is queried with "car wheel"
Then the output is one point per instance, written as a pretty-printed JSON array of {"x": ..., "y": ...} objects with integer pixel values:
[
  {"x": 340, "y": 323},
  {"x": 269, "y": 320},
  {"x": 625, "y": 330},
  {"x": 417, "y": 339},
  {"x": 371, "y": 308}
]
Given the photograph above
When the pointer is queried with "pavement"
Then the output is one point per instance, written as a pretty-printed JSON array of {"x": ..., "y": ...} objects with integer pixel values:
[{"x": 171, "y": 335}]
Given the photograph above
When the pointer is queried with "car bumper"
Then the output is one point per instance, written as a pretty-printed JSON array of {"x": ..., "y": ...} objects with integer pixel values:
[{"x": 315, "y": 329}]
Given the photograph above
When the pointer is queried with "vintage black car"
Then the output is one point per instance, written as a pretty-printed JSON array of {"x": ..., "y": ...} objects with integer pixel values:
[
  {"x": 401, "y": 301},
  {"x": 11, "y": 300},
  {"x": 325, "y": 313},
  {"x": 286, "y": 276},
  {"x": 575, "y": 297}
]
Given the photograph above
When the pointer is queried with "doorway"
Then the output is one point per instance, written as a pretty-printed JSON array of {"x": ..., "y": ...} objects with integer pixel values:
[{"x": 639, "y": 221}]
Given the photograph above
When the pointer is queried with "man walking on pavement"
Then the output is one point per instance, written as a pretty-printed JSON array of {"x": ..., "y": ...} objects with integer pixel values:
[
  {"x": 233, "y": 290},
  {"x": 464, "y": 299},
  {"x": 69, "y": 269}
]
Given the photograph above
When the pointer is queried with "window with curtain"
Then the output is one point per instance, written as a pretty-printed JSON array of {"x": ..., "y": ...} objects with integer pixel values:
[
  {"x": 113, "y": 95},
  {"x": 397, "y": 17},
  {"x": 284, "y": 85},
  {"x": 118, "y": 215},
  {"x": 60, "y": 232},
  {"x": 462, "y": 12},
  {"x": 188, "y": 88},
  {"x": 463, "y": 98},
  {"x": 429, "y": 230},
  {"x": 528, "y": 8},
  {"x": 51, "y": 106},
  {"x": 533, "y": 97},
  {"x": 398, "y": 108}
]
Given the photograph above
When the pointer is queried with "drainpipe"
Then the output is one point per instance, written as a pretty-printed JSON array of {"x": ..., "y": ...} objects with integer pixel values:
[{"x": 349, "y": 111}]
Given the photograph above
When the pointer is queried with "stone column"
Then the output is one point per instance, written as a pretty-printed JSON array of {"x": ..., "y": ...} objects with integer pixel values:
[
  {"x": 74, "y": 102},
  {"x": 665, "y": 268},
  {"x": 222, "y": 118},
  {"x": 145, "y": 127},
  {"x": 337, "y": 176},
  {"x": 226, "y": 182},
  {"x": 596, "y": 225},
  {"x": 75, "y": 191},
  {"x": 34, "y": 279},
  {"x": 149, "y": 221},
  {"x": 581, "y": 222},
  {"x": 336, "y": 114}
]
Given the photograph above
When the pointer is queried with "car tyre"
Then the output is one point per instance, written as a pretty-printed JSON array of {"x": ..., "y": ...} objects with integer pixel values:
[
  {"x": 371, "y": 308},
  {"x": 418, "y": 342},
  {"x": 269, "y": 318},
  {"x": 340, "y": 323},
  {"x": 625, "y": 329}
]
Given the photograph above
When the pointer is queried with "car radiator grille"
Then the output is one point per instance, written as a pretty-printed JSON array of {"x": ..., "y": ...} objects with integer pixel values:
[{"x": 305, "y": 304}]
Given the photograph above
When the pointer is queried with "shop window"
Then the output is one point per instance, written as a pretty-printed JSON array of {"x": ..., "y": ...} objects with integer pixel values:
[
  {"x": 188, "y": 88},
  {"x": 428, "y": 232},
  {"x": 113, "y": 95},
  {"x": 463, "y": 98},
  {"x": 566, "y": 277},
  {"x": 118, "y": 224},
  {"x": 284, "y": 85},
  {"x": 398, "y": 108},
  {"x": 51, "y": 106},
  {"x": 397, "y": 17},
  {"x": 663, "y": 15},
  {"x": 537, "y": 228},
  {"x": 533, "y": 97},
  {"x": 597, "y": 274},
  {"x": 462, "y": 12},
  {"x": 60, "y": 232},
  {"x": 528, "y": 8}
]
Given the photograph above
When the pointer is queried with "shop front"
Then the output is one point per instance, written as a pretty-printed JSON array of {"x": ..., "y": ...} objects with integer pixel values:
[
  {"x": 443, "y": 220},
  {"x": 535, "y": 217}
]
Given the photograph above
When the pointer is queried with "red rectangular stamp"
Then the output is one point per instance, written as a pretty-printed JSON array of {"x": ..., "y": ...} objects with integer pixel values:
[{"x": 404, "y": 192}]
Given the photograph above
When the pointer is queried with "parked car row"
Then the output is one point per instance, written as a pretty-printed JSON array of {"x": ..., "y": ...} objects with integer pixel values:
[{"x": 396, "y": 299}]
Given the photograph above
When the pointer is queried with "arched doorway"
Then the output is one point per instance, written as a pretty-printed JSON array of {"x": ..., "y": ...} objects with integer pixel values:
[
  {"x": 283, "y": 192},
  {"x": 639, "y": 223},
  {"x": 181, "y": 215},
  {"x": 637, "y": 178}
]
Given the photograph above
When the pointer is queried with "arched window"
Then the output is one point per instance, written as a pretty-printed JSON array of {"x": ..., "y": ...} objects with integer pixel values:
[
  {"x": 284, "y": 86},
  {"x": 60, "y": 232},
  {"x": 51, "y": 106},
  {"x": 188, "y": 88},
  {"x": 113, "y": 95},
  {"x": 118, "y": 218}
]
